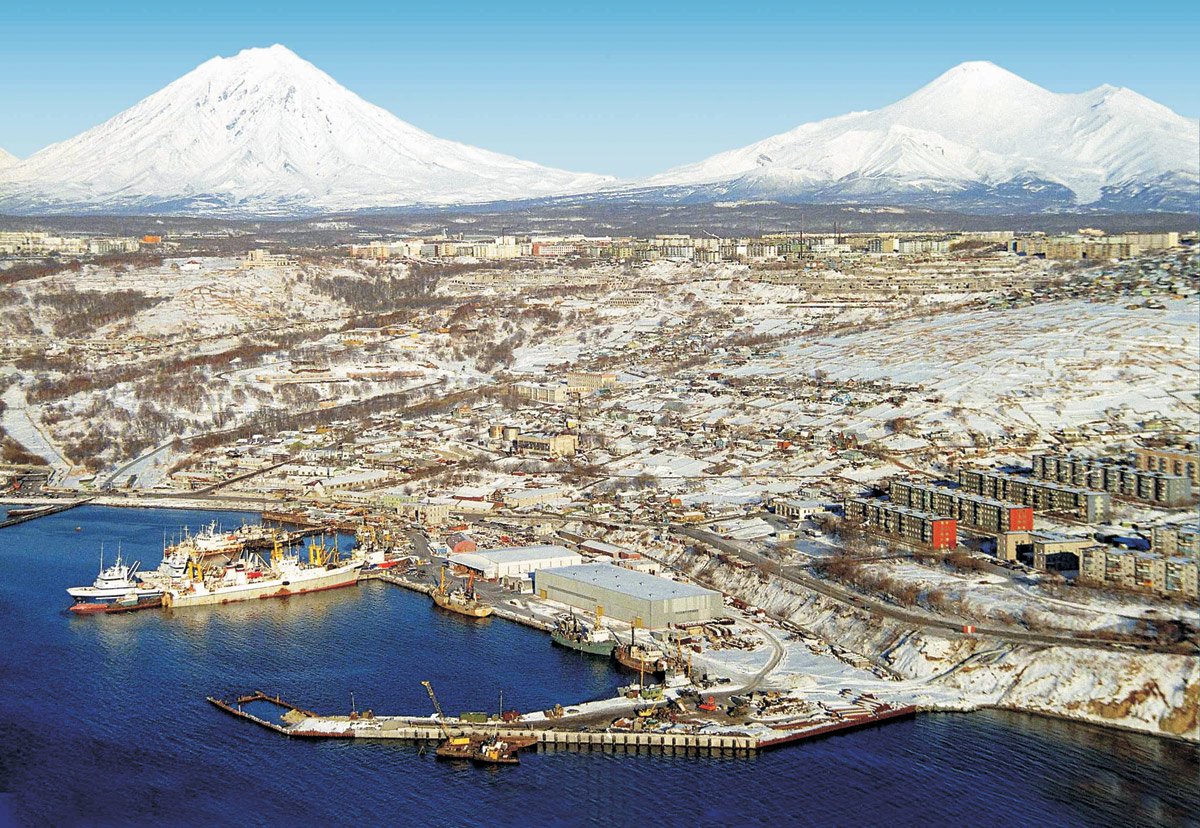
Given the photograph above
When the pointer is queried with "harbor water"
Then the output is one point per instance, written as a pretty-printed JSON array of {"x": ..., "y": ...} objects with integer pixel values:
[{"x": 104, "y": 722}]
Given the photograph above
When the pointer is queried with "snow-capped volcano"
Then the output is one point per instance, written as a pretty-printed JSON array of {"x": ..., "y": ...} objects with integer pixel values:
[
  {"x": 265, "y": 132},
  {"x": 976, "y": 136},
  {"x": 7, "y": 159}
]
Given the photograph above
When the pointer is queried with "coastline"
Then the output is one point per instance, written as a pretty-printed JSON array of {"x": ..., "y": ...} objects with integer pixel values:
[{"x": 836, "y": 624}]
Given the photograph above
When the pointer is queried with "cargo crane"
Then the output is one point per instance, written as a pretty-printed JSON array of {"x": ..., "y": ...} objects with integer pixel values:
[{"x": 454, "y": 747}]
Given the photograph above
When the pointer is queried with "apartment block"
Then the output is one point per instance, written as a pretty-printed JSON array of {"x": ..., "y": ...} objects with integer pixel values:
[
  {"x": 973, "y": 511},
  {"x": 911, "y": 525},
  {"x": 591, "y": 380},
  {"x": 1178, "y": 540},
  {"x": 1182, "y": 460},
  {"x": 1042, "y": 495},
  {"x": 547, "y": 445},
  {"x": 261, "y": 257},
  {"x": 541, "y": 392},
  {"x": 1151, "y": 486},
  {"x": 1144, "y": 571}
]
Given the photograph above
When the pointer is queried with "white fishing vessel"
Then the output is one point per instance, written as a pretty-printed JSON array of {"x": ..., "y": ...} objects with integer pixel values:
[
  {"x": 114, "y": 583},
  {"x": 250, "y": 578}
]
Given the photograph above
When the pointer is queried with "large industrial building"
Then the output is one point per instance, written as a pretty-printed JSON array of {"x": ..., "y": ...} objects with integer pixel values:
[
  {"x": 1149, "y": 485},
  {"x": 1042, "y": 495},
  {"x": 515, "y": 561},
  {"x": 973, "y": 511},
  {"x": 897, "y": 521},
  {"x": 633, "y": 597}
]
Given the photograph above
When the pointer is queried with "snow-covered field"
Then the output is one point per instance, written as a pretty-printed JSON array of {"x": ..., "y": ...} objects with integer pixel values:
[{"x": 1040, "y": 367}]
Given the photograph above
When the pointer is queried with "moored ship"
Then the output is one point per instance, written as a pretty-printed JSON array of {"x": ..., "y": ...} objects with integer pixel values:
[
  {"x": 463, "y": 600},
  {"x": 116, "y": 585},
  {"x": 247, "y": 578},
  {"x": 634, "y": 656},
  {"x": 575, "y": 635}
]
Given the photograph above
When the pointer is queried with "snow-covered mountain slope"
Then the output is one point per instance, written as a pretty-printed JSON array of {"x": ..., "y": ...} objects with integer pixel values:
[
  {"x": 265, "y": 132},
  {"x": 7, "y": 159},
  {"x": 976, "y": 136}
]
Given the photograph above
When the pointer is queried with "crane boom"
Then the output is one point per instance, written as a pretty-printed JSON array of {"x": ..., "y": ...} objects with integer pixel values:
[{"x": 441, "y": 717}]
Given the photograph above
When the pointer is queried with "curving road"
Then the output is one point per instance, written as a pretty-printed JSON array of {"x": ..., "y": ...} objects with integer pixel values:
[{"x": 845, "y": 595}]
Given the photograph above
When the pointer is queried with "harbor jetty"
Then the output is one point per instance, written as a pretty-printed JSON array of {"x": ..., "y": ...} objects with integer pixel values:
[
  {"x": 553, "y": 730},
  {"x": 20, "y": 515}
]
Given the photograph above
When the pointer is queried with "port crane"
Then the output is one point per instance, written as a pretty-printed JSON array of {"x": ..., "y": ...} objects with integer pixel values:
[{"x": 451, "y": 741}]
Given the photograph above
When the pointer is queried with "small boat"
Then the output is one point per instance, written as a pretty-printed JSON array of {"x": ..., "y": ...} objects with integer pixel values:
[
  {"x": 454, "y": 747},
  {"x": 27, "y": 510},
  {"x": 132, "y": 602},
  {"x": 640, "y": 659},
  {"x": 495, "y": 751}
]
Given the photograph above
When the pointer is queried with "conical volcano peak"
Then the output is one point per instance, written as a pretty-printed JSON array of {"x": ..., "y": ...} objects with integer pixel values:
[{"x": 267, "y": 132}]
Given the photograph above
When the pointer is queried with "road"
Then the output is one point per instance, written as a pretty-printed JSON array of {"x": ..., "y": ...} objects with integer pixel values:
[
  {"x": 183, "y": 441},
  {"x": 845, "y": 595},
  {"x": 776, "y": 657}
]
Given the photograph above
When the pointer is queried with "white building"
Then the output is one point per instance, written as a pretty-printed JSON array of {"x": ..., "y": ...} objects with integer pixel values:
[{"x": 516, "y": 561}]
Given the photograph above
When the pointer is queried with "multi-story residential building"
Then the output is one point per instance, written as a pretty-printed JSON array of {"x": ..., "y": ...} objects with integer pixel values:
[
  {"x": 1148, "y": 241},
  {"x": 1115, "y": 478},
  {"x": 1145, "y": 571},
  {"x": 1176, "y": 539},
  {"x": 913, "y": 246},
  {"x": 553, "y": 248},
  {"x": 1042, "y": 495},
  {"x": 973, "y": 511},
  {"x": 564, "y": 444},
  {"x": 591, "y": 380},
  {"x": 911, "y": 525},
  {"x": 260, "y": 257},
  {"x": 32, "y": 243},
  {"x": 1182, "y": 459},
  {"x": 541, "y": 391},
  {"x": 1093, "y": 245}
]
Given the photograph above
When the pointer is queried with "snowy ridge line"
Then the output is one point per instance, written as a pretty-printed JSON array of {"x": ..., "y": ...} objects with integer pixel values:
[{"x": 265, "y": 133}]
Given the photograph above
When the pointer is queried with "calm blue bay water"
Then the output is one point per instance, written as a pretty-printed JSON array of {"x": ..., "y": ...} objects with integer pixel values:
[{"x": 103, "y": 722}]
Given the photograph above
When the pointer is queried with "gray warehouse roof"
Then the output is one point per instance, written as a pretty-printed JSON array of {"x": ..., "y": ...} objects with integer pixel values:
[{"x": 628, "y": 581}]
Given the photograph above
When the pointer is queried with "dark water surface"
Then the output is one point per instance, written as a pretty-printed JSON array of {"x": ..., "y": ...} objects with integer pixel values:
[{"x": 103, "y": 722}]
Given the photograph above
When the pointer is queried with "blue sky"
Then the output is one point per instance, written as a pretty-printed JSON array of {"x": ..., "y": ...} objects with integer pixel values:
[{"x": 620, "y": 87}]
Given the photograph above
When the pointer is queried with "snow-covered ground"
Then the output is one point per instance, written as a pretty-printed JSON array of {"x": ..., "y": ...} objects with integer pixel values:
[
  {"x": 1157, "y": 693},
  {"x": 24, "y": 428}
]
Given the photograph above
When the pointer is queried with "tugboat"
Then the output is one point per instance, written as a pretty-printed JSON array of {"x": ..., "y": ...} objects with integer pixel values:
[
  {"x": 494, "y": 751},
  {"x": 116, "y": 585},
  {"x": 464, "y": 601},
  {"x": 571, "y": 633}
]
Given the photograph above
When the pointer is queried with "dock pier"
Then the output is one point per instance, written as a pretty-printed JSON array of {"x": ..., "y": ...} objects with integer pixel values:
[
  {"x": 304, "y": 724},
  {"x": 46, "y": 512}
]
